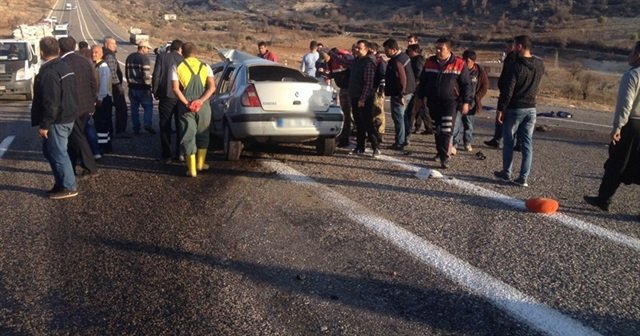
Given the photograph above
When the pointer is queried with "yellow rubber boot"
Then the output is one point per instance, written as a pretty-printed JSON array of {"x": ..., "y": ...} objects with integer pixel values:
[
  {"x": 191, "y": 166},
  {"x": 201, "y": 155}
]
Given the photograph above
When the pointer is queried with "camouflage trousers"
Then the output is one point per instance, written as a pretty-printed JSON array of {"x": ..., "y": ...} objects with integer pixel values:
[{"x": 378, "y": 112}]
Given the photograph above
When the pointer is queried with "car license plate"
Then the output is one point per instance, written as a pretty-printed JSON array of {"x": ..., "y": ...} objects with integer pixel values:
[{"x": 295, "y": 122}]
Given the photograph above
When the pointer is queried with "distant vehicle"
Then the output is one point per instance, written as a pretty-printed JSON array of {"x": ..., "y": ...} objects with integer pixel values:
[
  {"x": 68, "y": 6},
  {"x": 53, "y": 20},
  {"x": 259, "y": 101},
  {"x": 136, "y": 36},
  {"x": 20, "y": 61},
  {"x": 61, "y": 30}
]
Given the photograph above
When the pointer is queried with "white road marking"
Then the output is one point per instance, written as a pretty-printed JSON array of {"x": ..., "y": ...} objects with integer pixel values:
[
  {"x": 4, "y": 145},
  {"x": 514, "y": 302},
  {"x": 575, "y": 223}
]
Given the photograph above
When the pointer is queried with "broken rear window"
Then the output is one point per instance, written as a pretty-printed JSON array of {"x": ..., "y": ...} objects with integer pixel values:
[{"x": 265, "y": 73}]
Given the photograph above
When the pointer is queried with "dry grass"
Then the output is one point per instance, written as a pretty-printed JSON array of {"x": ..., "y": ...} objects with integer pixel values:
[{"x": 15, "y": 12}]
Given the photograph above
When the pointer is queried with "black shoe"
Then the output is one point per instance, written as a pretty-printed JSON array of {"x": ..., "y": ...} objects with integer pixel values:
[
  {"x": 502, "y": 175},
  {"x": 517, "y": 148},
  {"x": 150, "y": 129},
  {"x": 395, "y": 146},
  {"x": 427, "y": 132},
  {"x": 597, "y": 202},
  {"x": 444, "y": 164},
  {"x": 492, "y": 143},
  {"x": 63, "y": 193},
  {"x": 55, "y": 189},
  {"x": 344, "y": 144},
  {"x": 122, "y": 135},
  {"x": 86, "y": 173},
  {"x": 521, "y": 182}
]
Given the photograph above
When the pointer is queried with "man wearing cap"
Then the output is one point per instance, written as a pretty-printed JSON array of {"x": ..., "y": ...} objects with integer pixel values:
[{"x": 138, "y": 74}]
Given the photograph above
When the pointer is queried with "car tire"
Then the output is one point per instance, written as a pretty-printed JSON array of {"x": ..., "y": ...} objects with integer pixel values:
[
  {"x": 232, "y": 147},
  {"x": 325, "y": 146}
]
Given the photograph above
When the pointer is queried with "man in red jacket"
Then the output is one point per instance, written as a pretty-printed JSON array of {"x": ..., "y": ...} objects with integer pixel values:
[{"x": 445, "y": 84}]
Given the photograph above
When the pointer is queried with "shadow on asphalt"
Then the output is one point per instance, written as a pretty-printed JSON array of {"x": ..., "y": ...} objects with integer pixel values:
[{"x": 445, "y": 311}]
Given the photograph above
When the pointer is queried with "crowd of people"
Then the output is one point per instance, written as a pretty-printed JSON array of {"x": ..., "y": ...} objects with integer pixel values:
[
  {"x": 79, "y": 86},
  {"x": 77, "y": 91}
]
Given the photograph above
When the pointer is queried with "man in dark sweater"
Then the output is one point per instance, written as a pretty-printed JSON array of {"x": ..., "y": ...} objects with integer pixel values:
[
  {"x": 361, "y": 90},
  {"x": 517, "y": 108},
  {"x": 87, "y": 88},
  {"x": 400, "y": 84},
  {"x": 138, "y": 74},
  {"x": 161, "y": 87},
  {"x": 54, "y": 110}
]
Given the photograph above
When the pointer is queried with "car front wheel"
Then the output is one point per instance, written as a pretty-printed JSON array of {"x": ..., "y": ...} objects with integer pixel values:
[{"x": 232, "y": 147}]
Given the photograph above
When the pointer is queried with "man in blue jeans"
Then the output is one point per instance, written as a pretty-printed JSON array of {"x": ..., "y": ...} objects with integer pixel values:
[
  {"x": 54, "y": 110},
  {"x": 138, "y": 74},
  {"x": 400, "y": 84},
  {"x": 517, "y": 108}
]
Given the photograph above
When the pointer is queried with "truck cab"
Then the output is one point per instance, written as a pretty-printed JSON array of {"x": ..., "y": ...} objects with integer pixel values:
[{"x": 19, "y": 63}]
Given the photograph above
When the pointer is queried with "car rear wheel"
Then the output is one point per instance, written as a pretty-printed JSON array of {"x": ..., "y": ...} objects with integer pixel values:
[
  {"x": 325, "y": 146},
  {"x": 232, "y": 147}
]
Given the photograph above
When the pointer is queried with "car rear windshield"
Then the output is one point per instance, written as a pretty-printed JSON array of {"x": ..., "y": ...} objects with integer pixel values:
[{"x": 266, "y": 73}]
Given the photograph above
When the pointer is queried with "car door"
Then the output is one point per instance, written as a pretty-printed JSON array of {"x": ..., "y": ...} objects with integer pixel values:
[{"x": 220, "y": 100}]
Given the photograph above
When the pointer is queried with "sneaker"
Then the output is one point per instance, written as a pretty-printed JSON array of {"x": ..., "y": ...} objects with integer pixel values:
[
  {"x": 357, "y": 151},
  {"x": 502, "y": 175},
  {"x": 63, "y": 193},
  {"x": 521, "y": 182},
  {"x": 453, "y": 151},
  {"x": 97, "y": 156},
  {"x": 428, "y": 131},
  {"x": 395, "y": 146},
  {"x": 444, "y": 164},
  {"x": 492, "y": 143},
  {"x": 150, "y": 129},
  {"x": 468, "y": 148},
  {"x": 376, "y": 153},
  {"x": 597, "y": 202}
]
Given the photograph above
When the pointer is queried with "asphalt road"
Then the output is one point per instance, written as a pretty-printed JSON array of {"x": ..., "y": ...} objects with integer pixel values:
[{"x": 284, "y": 242}]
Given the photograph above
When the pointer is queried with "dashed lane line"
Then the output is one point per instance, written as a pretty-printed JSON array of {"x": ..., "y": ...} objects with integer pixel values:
[
  {"x": 516, "y": 303},
  {"x": 4, "y": 145},
  {"x": 598, "y": 231}
]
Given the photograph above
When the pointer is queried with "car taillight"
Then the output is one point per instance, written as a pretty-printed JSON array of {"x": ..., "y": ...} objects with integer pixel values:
[{"x": 250, "y": 97}]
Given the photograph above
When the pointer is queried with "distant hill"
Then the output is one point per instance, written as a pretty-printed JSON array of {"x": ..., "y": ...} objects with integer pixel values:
[{"x": 606, "y": 25}]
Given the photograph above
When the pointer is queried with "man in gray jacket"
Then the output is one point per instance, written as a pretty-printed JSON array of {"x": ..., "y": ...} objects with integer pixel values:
[{"x": 623, "y": 165}]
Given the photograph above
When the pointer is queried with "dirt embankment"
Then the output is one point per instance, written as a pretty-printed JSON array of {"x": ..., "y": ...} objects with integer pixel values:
[{"x": 15, "y": 12}]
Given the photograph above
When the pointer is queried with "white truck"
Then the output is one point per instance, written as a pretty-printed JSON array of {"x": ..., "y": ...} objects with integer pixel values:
[
  {"x": 136, "y": 36},
  {"x": 61, "y": 30},
  {"x": 20, "y": 60}
]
